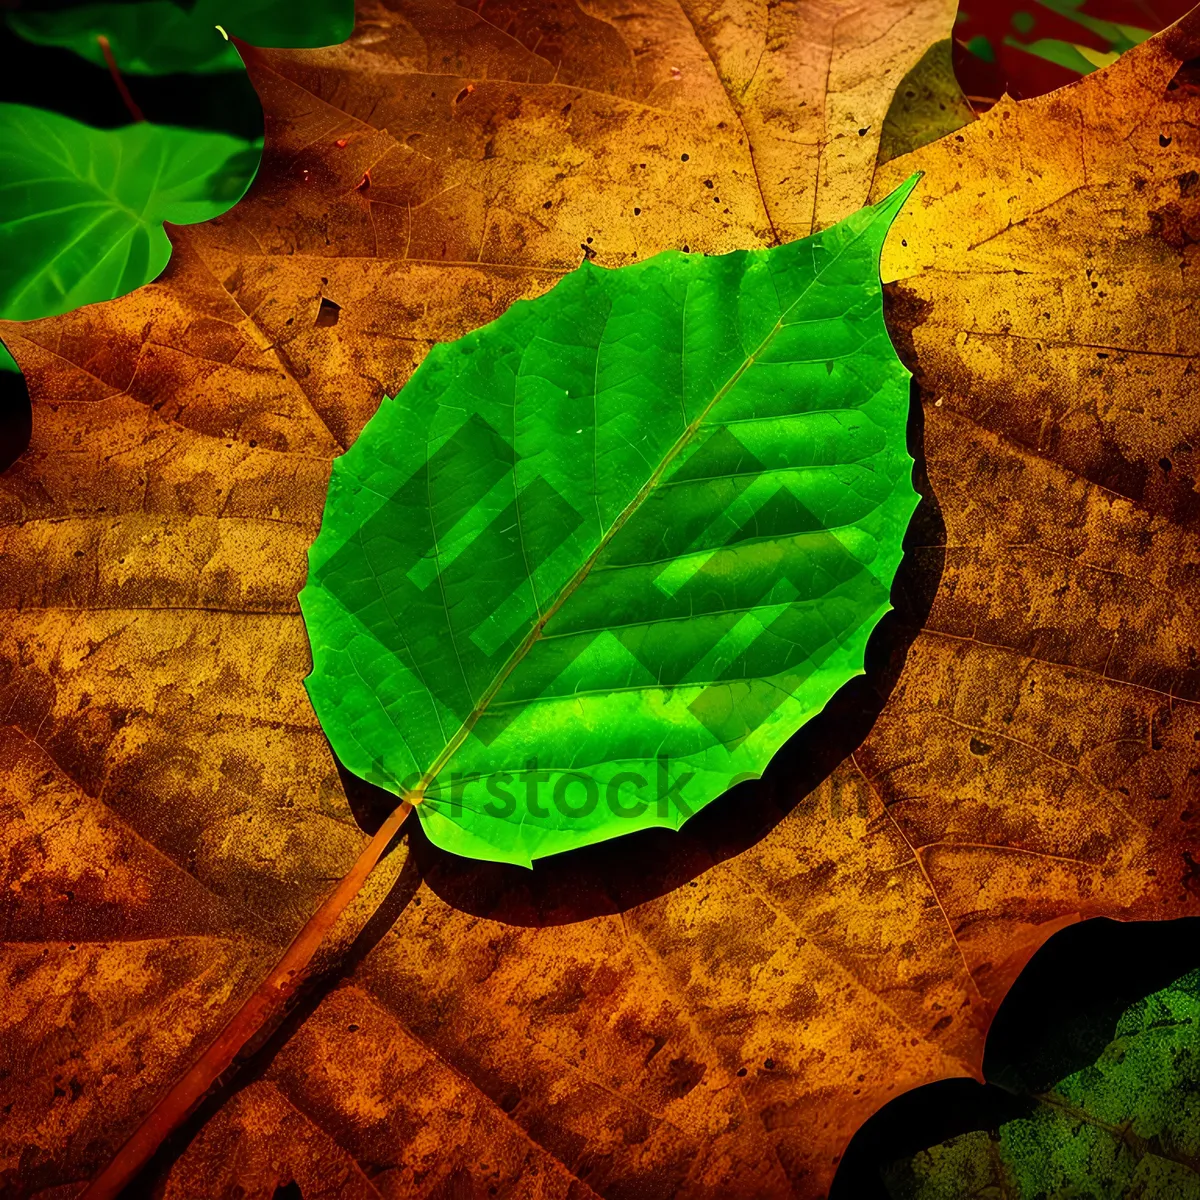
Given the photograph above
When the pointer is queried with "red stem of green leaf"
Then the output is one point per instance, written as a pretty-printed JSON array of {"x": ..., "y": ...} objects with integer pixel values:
[
  {"x": 268, "y": 999},
  {"x": 119, "y": 79}
]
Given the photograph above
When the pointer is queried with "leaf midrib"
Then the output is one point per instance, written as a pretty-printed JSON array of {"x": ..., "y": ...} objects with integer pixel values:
[{"x": 417, "y": 795}]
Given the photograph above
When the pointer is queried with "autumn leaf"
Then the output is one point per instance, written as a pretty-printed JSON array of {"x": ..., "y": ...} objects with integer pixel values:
[
  {"x": 705, "y": 1013},
  {"x": 621, "y": 542}
]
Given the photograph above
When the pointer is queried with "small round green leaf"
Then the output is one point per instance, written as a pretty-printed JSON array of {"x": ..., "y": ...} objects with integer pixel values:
[{"x": 82, "y": 209}]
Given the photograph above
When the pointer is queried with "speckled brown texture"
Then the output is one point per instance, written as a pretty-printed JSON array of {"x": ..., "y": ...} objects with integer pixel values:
[{"x": 709, "y": 1014}]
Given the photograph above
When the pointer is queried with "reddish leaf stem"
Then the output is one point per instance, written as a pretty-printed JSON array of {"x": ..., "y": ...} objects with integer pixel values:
[
  {"x": 119, "y": 79},
  {"x": 288, "y": 973}
]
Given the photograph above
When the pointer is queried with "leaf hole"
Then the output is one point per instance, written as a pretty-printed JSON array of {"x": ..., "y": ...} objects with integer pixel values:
[{"x": 328, "y": 314}]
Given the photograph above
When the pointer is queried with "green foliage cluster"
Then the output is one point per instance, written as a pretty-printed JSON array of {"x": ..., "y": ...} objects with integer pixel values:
[
  {"x": 1073, "y": 56},
  {"x": 82, "y": 208},
  {"x": 160, "y": 37}
]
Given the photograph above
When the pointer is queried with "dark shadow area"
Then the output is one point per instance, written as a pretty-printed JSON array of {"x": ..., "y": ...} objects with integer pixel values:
[
  {"x": 16, "y": 418},
  {"x": 1058, "y": 1016},
  {"x": 915, "y": 1121},
  {"x": 255, "y": 1060},
  {"x": 369, "y": 805},
  {"x": 618, "y": 874},
  {"x": 59, "y": 80},
  {"x": 1063, "y": 1008}
]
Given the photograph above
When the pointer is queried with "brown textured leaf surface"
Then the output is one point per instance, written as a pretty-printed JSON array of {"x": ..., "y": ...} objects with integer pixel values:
[{"x": 705, "y": 1014}]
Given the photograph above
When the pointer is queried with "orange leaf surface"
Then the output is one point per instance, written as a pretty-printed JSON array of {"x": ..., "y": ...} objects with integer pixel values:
[{"x": 711, "y": 1013}]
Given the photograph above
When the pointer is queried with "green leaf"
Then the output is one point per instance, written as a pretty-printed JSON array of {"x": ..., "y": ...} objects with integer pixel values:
[
  {"x": 1127, "y": 1125},
  {"x": 1083, "y": 60},
  {"x": 1119, "y": 37},
  {"x": 82, "y": 209},
  {"x": 982, "y": 48},
  {"x": 601, "y": 558},
  {"x": 160, "y": 37}
]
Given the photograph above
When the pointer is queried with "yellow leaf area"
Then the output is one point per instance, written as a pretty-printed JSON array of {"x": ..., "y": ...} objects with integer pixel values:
[{"x": 704, "y": 1014}]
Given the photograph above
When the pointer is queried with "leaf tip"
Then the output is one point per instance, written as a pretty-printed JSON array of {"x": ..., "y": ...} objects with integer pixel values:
[
  {"x": 906, "y": 189},
  {"x": 888, "y": 209}
]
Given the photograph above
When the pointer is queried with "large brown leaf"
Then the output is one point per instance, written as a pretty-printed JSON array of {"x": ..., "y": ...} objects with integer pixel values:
[{"x": 703, "y": 1014}]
